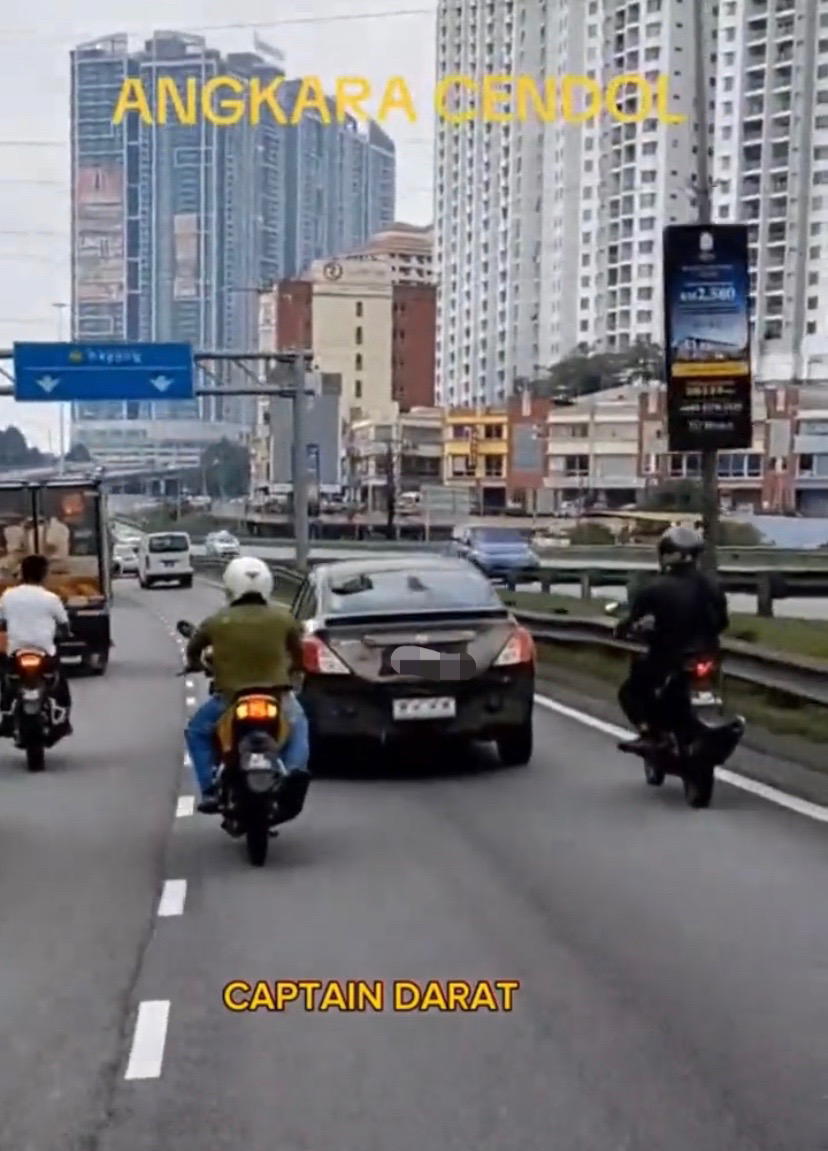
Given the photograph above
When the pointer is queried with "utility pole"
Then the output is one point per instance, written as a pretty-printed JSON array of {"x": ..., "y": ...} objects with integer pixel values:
[
  {"x": 704, "y": 212},
  {"x": 300, "y": 464},
  {"x": 60, "y": 308}
]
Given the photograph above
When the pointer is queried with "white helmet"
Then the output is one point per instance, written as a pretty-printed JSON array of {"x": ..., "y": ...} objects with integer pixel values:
[{"x": 247, "y": 575}]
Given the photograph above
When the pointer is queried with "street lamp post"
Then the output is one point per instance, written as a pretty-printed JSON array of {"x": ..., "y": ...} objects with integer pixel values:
[{"x": 60, "y": 307}]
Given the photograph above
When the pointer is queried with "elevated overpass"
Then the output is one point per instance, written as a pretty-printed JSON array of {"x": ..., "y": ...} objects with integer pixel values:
[{"x": 154, "y": 479}]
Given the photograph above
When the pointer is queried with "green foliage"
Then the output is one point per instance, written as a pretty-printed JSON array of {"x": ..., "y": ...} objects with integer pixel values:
[
  {"x": 674, "y": 496},
  {"x": 585, "y": 370},
  {"x": 16, "y": 453},
  {"x": 78, "y": 454},
  {"x": 588, "y": 532},
  {"x": 225, "y": 469}
]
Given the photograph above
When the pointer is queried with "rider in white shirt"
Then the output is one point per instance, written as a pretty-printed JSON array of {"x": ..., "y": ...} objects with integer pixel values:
[{"x": 32, "y": 616}]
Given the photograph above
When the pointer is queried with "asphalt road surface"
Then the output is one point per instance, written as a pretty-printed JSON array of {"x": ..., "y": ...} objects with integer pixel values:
[{"x": 673, "y": 965}]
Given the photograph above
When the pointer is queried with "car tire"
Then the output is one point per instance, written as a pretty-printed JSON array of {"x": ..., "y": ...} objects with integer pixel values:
[
  {"x": 515, "y": 745},
  {"x": 187, "y": 582}
]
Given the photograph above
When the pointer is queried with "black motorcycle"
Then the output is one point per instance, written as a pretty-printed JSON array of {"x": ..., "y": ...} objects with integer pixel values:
[
  {"x": 37, "y": 721},
  {"x": 249, "y": 739},
  {"x": 707, "y": 738}
]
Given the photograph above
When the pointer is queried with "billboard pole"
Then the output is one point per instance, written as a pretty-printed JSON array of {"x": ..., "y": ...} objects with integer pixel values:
[
  {"x": 704, "y": 211},
  {"x": 300, "y": 464}
]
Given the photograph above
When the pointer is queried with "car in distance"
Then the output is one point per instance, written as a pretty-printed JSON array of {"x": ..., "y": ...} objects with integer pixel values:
[
  {"x": 416, "y": 647},
  {"x": 124, "y": 559},
  {"x": 222, "y": 545},
  {"x": 500, "y": 553}
]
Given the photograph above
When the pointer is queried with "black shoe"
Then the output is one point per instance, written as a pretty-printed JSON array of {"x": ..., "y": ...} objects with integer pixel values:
[
  {"x": 209, "y": 803},
  {"x": 637, "y": 746}
]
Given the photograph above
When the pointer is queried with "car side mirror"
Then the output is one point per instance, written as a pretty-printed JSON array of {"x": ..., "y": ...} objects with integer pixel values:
[{"x": 185, "y": 628}]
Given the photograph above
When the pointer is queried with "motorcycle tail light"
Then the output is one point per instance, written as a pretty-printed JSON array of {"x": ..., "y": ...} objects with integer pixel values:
[
  {"x": 257, "y": 707},
  {"x": 704, "y": 668},
  {"x": 29, "y": 660}
]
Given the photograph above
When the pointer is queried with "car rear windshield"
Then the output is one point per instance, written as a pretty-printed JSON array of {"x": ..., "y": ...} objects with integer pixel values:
[
  {"x": 170, "y": 543},
  {"x": 438, "y": 589},
  {"x": 497, "y": 536}
]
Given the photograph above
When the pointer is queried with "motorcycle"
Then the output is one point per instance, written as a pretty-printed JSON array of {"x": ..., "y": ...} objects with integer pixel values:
[
  {"x": 694, "y": 688},
  {"x": 36, "y": 717},
  {"x": 249, "y": 738}
]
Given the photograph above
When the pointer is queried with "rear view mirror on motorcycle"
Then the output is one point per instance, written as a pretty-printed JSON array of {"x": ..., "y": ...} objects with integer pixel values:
[
  {"x": 612, "y": 607},
  {"x": 185, "y": 628}
]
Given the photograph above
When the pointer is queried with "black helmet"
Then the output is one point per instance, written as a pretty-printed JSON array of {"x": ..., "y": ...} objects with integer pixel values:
[{"x": 680, "y": 547}]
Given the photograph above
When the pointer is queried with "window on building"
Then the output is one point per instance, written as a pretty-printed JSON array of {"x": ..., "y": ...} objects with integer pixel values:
[
  {"x": 359, "y": 335},
  {"x": 359, "y": 307},
  {"x": 358, "y": 361},
  {"x": 358, "y": 389}
]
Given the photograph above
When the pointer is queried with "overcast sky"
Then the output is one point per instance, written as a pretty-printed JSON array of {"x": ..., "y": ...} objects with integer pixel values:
[{"x": 35, "y": 39}]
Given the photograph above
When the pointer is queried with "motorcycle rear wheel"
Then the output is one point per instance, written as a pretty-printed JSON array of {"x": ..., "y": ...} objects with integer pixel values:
[
  {"x": 654, "y": 775},
  {"x": 698, "y": 789},
  {"x": 257, "y": 834},
  {"x": 35, "y": 757}
]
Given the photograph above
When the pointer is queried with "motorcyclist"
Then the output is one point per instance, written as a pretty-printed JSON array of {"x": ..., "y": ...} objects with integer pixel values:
[
  {"x": 255, "y": 643},
  {"x": 689, "y": 613},
  {"x": 33, "y": 618}
]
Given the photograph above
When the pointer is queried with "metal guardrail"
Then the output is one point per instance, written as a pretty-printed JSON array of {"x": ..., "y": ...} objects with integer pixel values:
[{"x": 802, "y": 677}]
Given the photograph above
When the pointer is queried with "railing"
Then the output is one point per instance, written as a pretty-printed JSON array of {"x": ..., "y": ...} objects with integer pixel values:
[{"x": 801, "y": 677}]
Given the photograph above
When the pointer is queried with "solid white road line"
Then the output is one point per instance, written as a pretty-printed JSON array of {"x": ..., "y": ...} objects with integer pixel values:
[
  {"x": 172, "y": 897},
  {"x": 762, "y": 790},
  {"x": 186, "y": 805},
  {"x": 146, "y": 1057}
]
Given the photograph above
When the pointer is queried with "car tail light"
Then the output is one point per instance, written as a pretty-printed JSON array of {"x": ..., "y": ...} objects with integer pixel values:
[
  {"x": 257, "y": 707},
  {"x": 519, "y": 648},
  {"x": 318, "y": 658}
]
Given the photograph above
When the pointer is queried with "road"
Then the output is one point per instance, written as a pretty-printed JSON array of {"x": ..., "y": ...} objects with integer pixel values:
[{"x": 672, "y": 964}]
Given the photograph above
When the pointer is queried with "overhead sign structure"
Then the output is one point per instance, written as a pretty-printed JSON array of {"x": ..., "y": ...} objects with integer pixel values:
[
  {"x": 707, "y": 337},
  {"x": 61, "y": 373}
]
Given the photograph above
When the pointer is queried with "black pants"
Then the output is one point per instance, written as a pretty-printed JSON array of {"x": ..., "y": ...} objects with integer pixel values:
[
  {"x": 637, "y": 694},
  {"x": 655, "y": 693}
]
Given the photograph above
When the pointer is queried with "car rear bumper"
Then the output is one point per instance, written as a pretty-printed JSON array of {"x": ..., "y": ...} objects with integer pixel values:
[
  {"x": 520, "y": 573},
  {"x": 484, "y": 707}
]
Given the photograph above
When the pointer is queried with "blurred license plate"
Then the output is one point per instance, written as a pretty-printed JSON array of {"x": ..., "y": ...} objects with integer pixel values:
[
  {"x": 442, "y": 707},
  {"x": 704, "y": 698}
]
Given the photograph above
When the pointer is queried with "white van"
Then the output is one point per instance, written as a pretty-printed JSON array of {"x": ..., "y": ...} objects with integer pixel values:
[{"x": 165, "y": 557}]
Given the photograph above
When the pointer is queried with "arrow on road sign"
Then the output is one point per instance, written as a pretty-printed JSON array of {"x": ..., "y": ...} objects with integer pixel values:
[
  {"x": 161, "y": 382},
  {"x": 48, "y": 383}
]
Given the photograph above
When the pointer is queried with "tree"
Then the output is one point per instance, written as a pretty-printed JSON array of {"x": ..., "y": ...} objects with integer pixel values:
[
  {"x": 674, "y": 496},
  {"x": 15, "y": 451},
  {"x": 78, "y": 454},
  {"x": 585, "y": 370},
  {"x": 225, "y": 469}
]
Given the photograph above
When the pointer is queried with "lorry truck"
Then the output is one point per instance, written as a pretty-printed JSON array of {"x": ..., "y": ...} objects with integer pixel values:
[{"x": 65, "y": 520}]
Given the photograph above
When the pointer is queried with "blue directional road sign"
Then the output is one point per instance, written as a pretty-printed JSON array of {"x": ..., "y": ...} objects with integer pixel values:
[{"x": 59, "y": 373}]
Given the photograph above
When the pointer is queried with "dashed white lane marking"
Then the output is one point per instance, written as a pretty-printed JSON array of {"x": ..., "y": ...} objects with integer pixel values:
[
  {"x": 190, "y": 684},
  {"x": 191, "y": 701},
  {"x": 146, "y": 1057},
  {"x": 762, "y": 790},
  {"x": 172, "y": 898},
  {"x": 186, "y": 806}
]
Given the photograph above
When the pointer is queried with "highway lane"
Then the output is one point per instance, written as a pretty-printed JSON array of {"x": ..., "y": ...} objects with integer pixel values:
[
  {"x": 672, "y": 966},
  {"x": 82, "y": 851}
]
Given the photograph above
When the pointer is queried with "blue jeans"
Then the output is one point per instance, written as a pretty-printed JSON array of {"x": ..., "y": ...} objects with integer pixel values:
[{"x": 201, "y": 729}]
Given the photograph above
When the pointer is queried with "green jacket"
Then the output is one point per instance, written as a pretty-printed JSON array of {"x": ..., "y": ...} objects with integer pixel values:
[{"x": 250, "y": 646}]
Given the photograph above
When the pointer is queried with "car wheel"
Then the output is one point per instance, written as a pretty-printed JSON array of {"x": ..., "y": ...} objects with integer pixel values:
[{"x": 514, "y": 745}]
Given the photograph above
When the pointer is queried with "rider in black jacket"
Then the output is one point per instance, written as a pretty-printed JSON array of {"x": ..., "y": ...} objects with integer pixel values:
[{"x": 689, "y": 614}]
